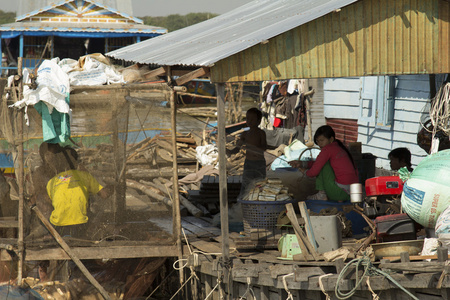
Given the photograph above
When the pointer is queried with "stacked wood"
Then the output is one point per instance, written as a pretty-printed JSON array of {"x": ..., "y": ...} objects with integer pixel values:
[
  {"x": 235, "y": 162},
  {"x": 158, "y": 150},
  {"x": 268, "y": 190},
  {"x": 208, "y": 112},
  {"x": 148, "y": 168},
  {"x": 162, "y": 194}
]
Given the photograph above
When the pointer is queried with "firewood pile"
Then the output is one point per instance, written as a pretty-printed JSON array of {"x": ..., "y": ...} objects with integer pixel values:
[
  {"x": 268, "y": 190},
  {"x": 146, "y": 160},
  {"x": 158, "y": 150},
  {"x": 235, "y": 164}
]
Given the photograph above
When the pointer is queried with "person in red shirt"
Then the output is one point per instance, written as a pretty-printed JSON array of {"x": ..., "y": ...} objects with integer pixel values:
[{"x": 334, "y": 168}]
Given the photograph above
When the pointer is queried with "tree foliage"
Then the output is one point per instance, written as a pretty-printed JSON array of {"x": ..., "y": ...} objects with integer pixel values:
[
  {"x": 175, "y": 22},
  {"x": 7, "y": 17},
  {"x": 171, "y": 22}
]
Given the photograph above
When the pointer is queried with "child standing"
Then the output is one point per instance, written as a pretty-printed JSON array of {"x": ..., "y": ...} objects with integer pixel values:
[
  {"x": 254, "y": 142},
  {"x": 334, "y": 168}
]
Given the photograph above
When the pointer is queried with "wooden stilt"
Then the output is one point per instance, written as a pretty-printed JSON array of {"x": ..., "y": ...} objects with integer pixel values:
[
  {"x": 20, "y": 177},
  {"x": 223, "y": 184},
  {"x": 176, "y": 215}
]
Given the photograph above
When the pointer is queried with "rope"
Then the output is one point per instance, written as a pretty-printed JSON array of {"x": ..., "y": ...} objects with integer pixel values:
[
  {"x": 181, "y": 286},
  {"x": 321, "y": 285},
  {"x": 369, "y": 270},
  {"x": 218, "y": 282},
  {"x": 290, "y": 297},
  {"x": 249, "y": 289},
  {"x": 159, "y": 285},
  {"x": 185, "y": 238},
  {"x": 179, "y": 261},
  {"x": 374, "y": 295},
  {"x": 439, "y": 110}
]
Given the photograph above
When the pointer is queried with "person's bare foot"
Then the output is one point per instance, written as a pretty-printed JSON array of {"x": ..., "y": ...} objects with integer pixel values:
[{"x": 320, "y": 195}]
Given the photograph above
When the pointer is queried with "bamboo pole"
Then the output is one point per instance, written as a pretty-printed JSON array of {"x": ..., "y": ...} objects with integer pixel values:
[
  {"x": 197, "y": 95},
  {"x": 20, "y": 178},
  {"x": 220, "y": 87},
  {"x": 135, "y": 87}
]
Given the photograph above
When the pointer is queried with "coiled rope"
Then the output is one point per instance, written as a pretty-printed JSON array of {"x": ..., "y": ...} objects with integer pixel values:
[
  {"x": 440, "y": 110},
  {"x": 369, "y": 270}
]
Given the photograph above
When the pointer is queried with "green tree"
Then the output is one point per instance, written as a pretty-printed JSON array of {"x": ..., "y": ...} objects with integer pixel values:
[
  {"x": 7, "y": 17},
  {"x": 176, "y": 21}
]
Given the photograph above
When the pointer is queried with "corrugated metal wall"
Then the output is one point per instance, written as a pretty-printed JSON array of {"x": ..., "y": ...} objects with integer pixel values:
[
  {"x": 317, "y": 116},
  {"x": 346, "y": 130},
  {"x": 369, "y": 37}
]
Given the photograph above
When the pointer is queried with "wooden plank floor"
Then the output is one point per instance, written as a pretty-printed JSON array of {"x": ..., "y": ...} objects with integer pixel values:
[{"x": 193, "y": 227}]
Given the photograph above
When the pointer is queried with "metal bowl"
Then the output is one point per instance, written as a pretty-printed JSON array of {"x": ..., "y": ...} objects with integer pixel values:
[{"x": 413, "y": 247}]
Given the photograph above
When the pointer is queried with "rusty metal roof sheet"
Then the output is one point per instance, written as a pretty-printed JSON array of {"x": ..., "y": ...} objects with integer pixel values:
[{"x": 207, "y": 42}]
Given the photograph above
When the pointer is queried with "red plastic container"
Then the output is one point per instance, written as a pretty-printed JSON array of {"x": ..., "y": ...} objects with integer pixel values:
[{"x": 384, "y": 185}]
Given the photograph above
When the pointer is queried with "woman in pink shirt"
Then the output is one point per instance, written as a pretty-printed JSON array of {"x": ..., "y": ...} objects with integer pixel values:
[{"x": 334, "y": 168}]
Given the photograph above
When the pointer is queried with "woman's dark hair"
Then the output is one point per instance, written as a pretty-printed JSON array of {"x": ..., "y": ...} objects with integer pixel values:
[
  {"x": 329, "y": 133},
  {"x": 255, "y": 111},
  {"x": 403, "y": 155}
]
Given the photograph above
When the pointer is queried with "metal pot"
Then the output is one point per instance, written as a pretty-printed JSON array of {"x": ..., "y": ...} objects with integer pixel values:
[{"x": 413, "y": 247}]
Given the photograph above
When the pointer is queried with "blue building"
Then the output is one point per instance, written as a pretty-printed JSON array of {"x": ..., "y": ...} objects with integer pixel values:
[{"x": 70, "y": 29}]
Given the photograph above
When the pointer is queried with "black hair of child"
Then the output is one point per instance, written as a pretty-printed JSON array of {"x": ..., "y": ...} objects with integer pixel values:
[
  {"x": 255, "y": 111},
  {"x": 402, "y": 154},
  {"x": 328, "y": 132}
]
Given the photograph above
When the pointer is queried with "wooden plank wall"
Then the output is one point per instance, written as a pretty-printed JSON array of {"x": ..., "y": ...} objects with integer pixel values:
[
  {"x": 317, "y": 115},
  {"x": 411, "y": 95},
  {"x": 341, "y": 102}
]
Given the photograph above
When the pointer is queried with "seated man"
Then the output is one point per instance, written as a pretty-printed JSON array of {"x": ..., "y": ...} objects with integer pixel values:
[{"x": 69, "y": 192}]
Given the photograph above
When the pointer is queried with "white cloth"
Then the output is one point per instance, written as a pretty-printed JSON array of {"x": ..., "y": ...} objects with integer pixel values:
[
  {"x": 293, "y": 86},
  {"x": 53, "y": 88}
]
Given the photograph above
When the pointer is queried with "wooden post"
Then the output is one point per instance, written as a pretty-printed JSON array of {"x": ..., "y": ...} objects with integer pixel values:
[
  {"x": 119, "y": 187},
  {"x": 20, "y": 176},
  {"x": 176, "y": 215},
  {"x": 223, "y": 192}
]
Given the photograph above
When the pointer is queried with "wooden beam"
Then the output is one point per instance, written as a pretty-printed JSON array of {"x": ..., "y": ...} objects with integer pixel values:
[
  {"x": 309, "y": 229},
  {"x": 192, "y": 75},
  {"x": 99, "y": 252},
  {"x": 303, "y": 241},
  {"x": 9, "y": 224},
  {"x": 153, "y": 73}
]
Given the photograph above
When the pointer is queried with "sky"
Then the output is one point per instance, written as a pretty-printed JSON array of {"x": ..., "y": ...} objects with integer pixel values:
[{"x": 154, "y": 8}]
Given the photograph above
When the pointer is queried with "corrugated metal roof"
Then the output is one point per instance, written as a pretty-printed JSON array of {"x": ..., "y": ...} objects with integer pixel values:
[
  {"x": 205, "y": 43},
  {"x": 27, "y": 6},
  {"x": 81, "y": 27}
]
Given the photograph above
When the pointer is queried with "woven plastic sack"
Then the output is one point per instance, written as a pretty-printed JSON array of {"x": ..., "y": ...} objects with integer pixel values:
[
  {"x": 427, "y": 193},
  {"x": 443, "y": 223}
]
